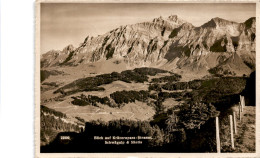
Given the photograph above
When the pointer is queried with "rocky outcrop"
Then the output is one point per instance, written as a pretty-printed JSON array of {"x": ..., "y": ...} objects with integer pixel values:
[{"x": 165, "y": 41}]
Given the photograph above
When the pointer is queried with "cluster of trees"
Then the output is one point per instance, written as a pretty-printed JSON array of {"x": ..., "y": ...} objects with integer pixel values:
[
  {"x": 219, "y": 71},
  {"x": 160, "y": 98},
  {"x": 195, "y": 84},
  {"x": 150, "y": 71},
  {"x": 138, "y": 74},
  {"x": 190, "y": 123},
  {"x": 52, "y": 124},
  {"x": 156, "y": 87},
  {"x": 121, "y": 97},
  {"x": 85, "y": 84},
  {"x": 129, "y": 75},
  {"x": 176, "y": 86},
  {"x": 219, "y": 91},
  {"x": 49, "y": 122},
  {"x": 181, "y": 129},
  {"x": 47, "y": 110},
  {"x": 172, "y": 78},
  {"x": 165, "y": 95},
  {"x": 194, "y": 115},
  {"x": 92, "y": 83},
  {"x": 84, "y": 100}
]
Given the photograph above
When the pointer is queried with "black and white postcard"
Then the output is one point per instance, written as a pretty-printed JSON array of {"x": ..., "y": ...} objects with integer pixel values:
[{"x": 146, "y": 79}]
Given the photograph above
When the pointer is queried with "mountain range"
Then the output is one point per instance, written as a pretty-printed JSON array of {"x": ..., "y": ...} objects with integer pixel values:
[{"x": 219, "y": 47}]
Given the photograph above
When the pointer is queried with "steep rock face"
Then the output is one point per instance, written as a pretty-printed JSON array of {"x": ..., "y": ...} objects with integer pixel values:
[
  {"x": 136, "y": 44},
  {"x": 56, "y": 57},
  {"x": 165, "y": 41}
]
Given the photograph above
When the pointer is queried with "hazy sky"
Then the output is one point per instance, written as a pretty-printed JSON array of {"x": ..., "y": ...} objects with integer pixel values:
[{"x": 69, "y": 23}]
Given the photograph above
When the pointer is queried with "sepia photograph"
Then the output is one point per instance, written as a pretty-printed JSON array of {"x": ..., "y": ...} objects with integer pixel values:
[{"x": 145, "y": 77}]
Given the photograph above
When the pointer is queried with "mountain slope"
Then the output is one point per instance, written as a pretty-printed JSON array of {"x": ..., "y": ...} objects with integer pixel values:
[{"x": 170, "y": 43}]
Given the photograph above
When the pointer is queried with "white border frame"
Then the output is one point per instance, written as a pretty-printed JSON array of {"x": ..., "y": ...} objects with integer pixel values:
[{"x": 137, "y": 155}]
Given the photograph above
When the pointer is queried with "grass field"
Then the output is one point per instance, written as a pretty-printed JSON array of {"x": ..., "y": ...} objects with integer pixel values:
[{"x": 245, "y": 138}]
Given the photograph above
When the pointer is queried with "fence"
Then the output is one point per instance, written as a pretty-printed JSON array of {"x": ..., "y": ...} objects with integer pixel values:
[{"x": 232, "y": 124}]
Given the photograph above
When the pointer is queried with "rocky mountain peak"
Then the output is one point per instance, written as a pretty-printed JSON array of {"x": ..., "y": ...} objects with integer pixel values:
[
  {"x": 218, "y": 22},
  {"x": 251, "y": 22},
  {"x": 187, "y": 25},
  {"x": 68, "y": 49},
  {"x": 161, "y": 41},
  {"x": 173, "y": 18},
  {"x": 159, "y": 19}
]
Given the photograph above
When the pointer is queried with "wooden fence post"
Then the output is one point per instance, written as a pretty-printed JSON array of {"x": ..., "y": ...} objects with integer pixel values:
[
  {"x": 235, "y": 122},
  {"x": 242, "y": 104},
  {"x": 239, "y": 110},
  {"x": 217, "y": 135},
  {"x": 231, "y": 131}
]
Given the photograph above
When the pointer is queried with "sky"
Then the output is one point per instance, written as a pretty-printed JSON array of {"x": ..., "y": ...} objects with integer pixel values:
[{"x": 70, "y": 23}]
